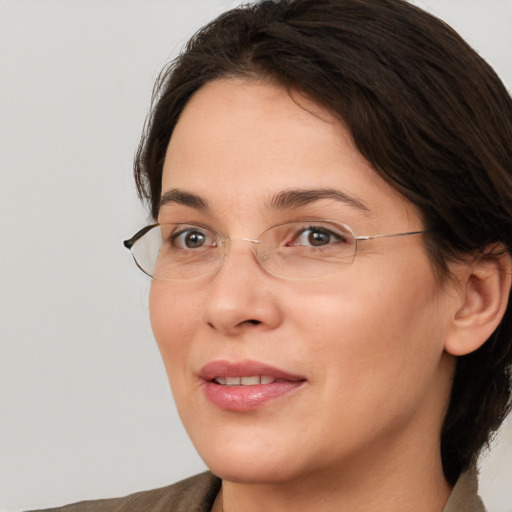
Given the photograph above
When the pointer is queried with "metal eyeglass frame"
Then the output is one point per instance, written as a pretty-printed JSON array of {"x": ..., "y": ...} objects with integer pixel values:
[{"x": 137, "y": 236}]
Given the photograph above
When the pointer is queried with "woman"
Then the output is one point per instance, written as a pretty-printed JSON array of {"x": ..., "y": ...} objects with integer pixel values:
[{"x": 330, "y": 182}]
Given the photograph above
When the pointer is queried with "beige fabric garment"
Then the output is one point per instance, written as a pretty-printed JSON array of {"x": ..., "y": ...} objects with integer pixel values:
[
  {"x": 464, "y": 497},
  {"x": 197, "y": 494}
]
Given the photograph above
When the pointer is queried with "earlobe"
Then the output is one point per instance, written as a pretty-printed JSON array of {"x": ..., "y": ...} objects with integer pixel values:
[{"x": 485, "y": 289}]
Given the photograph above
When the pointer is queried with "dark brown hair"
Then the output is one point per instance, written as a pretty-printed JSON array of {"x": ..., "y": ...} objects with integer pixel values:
[{"x": 423, "y": 108}]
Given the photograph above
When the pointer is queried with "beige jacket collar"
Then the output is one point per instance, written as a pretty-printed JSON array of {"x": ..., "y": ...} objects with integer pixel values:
[{"x": 464, "y": 497}]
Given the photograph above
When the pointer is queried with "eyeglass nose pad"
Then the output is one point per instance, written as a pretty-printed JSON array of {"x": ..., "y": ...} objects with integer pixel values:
[{"x": 262, "y": 254}]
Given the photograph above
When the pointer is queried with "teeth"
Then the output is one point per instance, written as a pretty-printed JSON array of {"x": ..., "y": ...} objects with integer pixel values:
[
  {"x": 250, "y": 381},
  {"x": 244, "y": 381}
]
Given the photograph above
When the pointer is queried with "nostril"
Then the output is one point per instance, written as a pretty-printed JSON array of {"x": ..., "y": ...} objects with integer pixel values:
[{"x": 250, "y": 322}]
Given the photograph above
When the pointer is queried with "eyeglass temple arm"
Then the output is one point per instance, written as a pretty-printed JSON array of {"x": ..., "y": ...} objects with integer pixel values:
[
  {"x": 131, "y": 241},
  {"x": 407, "y": 233}
]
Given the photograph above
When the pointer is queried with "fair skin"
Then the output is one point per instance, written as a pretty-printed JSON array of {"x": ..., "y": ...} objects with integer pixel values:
[{"x": 361, "y": 431}]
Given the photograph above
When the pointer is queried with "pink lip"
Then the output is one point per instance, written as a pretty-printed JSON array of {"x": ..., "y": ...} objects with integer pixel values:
[{"x": 245, "y": 398}]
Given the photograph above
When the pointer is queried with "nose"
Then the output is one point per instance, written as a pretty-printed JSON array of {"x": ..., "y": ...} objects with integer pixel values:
[{"x": 241, "y": 295}]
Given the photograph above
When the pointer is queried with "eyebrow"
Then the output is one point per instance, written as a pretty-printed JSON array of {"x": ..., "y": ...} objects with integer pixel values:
[
  {"x": 178, "y": 196},
  {"x": 287, "y": 199},
  {"x": 294, "y": 198}
]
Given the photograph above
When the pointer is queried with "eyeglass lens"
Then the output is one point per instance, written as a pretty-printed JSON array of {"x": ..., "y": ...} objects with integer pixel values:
[{"x": 294, "y": 250}]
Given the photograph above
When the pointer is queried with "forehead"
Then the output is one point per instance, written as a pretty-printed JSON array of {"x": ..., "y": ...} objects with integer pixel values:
[
  {"x": 250, "y": 125},
  {"x": 239, "y": 142}
]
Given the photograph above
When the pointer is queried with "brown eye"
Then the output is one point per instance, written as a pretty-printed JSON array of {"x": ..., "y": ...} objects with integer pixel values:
[
  {"x": 191, "y": 239},
  {"x": 316, "y": 237},
  {"x": 194, "y": 240}
]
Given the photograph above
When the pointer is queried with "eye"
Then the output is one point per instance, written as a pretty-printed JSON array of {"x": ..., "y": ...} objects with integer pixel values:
[
  {"x": 317, "y": 236},
  {"x": 193, "y": 238}
]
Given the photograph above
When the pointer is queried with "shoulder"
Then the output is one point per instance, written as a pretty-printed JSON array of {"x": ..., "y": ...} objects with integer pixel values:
[{"x": 195, "y": 494}]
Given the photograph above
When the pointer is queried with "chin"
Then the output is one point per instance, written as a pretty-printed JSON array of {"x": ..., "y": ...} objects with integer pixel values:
[
  {"x": 259, "y": 472},
  {"x": 245, "y": 459}
]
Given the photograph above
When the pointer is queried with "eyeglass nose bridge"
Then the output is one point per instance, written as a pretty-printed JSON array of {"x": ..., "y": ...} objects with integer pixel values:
[{"x": 258, "y": 255}]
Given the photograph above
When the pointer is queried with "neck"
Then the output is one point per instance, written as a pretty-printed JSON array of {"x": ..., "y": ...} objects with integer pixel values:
[
  {"x": 401, "y": 476},
  {"x": 427, "y": 493}
]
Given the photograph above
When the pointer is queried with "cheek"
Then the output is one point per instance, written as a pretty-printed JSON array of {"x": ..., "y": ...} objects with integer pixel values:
[
  {"x": 173, "y": 321},
  {"x": 378, "y": 327}
]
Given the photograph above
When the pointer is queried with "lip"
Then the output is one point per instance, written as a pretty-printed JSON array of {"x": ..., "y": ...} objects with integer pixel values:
[{"x": 246, "y": 398}]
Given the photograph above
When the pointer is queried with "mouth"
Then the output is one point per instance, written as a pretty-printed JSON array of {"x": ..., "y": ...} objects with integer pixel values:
[
  {"x": 246, "y": 385},
  {"x": 255, "y": 380}
]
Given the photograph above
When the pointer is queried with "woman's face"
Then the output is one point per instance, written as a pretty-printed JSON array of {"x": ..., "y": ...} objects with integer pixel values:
[{"x": 353, "y": 365}]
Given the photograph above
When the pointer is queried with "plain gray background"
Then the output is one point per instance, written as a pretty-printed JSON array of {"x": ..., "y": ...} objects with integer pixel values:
[{"x": 85, "y": 409}]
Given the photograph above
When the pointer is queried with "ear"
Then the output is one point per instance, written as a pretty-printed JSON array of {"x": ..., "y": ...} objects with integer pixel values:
[{"x": 484, "y": 287}]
